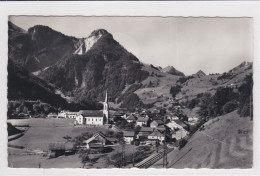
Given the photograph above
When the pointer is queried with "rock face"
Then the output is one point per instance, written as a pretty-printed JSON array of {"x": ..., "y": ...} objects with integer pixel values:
[
  {"x": 102, "y": 64},
  {"x": 38, "y": 48},
  {"x": 90, "y": 41},
  {"x": 172, "y": 70}
]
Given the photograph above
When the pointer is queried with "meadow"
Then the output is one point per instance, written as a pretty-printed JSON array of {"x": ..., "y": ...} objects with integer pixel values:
[{"x": 41, "y": 132}]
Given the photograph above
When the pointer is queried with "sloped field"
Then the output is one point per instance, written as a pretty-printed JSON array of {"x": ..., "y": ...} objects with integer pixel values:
[{"x": 226, "y": 142}]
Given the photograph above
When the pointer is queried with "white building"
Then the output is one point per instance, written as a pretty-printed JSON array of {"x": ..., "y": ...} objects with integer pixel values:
[
  {"x": 176, "y": 124},
  {"x": 71, "y": 115},
  {"x": 93, "y": 117},
  {"x": 129, "y": 136},
  {"x": 156, "y": 135},
  {"x": 179, "y": 134},
  {"x": 62, "y": 114}
]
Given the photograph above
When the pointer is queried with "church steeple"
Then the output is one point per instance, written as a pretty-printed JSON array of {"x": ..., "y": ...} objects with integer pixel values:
[{"x": 106, "y": 97}]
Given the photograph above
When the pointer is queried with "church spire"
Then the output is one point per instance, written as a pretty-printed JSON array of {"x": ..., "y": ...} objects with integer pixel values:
[{"x": 106, "y": 97}]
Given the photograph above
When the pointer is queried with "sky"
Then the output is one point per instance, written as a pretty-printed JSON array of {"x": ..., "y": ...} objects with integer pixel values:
[{"x": 189, "y": 44}]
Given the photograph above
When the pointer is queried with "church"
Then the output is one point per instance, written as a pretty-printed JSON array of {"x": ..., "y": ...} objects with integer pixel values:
[{"x": 93, "y": 117}]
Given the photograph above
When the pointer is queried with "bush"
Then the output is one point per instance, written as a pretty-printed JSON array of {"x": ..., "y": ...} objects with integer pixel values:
[
  {"x": 230, "y": 106},
  {"x": 182, "y": 143}
]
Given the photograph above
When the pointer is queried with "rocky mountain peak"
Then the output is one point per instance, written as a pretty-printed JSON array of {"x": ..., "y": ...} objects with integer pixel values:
[
  {"x": 88, "y": 42},
  {"x": 172, "y": 70},
  {"x": 99, "y": 32},
  {"x": 199, "y": 74}
]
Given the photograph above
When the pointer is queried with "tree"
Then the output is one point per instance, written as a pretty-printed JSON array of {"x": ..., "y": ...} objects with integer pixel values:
[{"x": 175, "y": 90}]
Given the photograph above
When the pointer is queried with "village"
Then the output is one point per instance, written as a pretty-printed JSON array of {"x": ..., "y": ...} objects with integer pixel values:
[{"x": 157, "y": 129}]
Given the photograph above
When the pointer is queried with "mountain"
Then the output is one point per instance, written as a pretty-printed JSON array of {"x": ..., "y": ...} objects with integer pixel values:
[
  {"x": 99, "y": 64},
  {"x": 23, "y": 85},
  {"x": 39, "y": 47},
  {"x": 199, "y": 74},
  {"x": 83, "y": 69},
  {"x": 172, "y": 70}
]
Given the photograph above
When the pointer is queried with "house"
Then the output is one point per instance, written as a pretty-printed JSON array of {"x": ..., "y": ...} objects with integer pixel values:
[
  {"x": 129, "y": 136},
  {"x": 142, "y": 121},
  {"x": 161, "y": 128},
  {"x": 98, "y": 140},
  {"x": 179, "y": 134},
  {"x": 193, "y": 120},
  {"x": 71, "y": 115},
  {"x": 93, "y": 117},
  {"x": 62, "y": 114},
  {"x": 171, "y": 118},
  {"x": 145, "y": 131},
  {"x": 156, "y": 123},
  {"x": 52, "y": 115},
  {"x": 80, "y": 120},
  {"x": 131, "y": 118},
  {"x": 60, "y": 148},
  {"x": 156, "y": 135},
  {"x": 176, "y": 124}
]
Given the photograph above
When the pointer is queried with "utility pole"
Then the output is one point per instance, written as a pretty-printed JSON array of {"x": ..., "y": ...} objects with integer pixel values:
[
  {"x": 123, "y": 154},
  {"x": 165, "y": 148},
  {"x": 133, "y": 154}
]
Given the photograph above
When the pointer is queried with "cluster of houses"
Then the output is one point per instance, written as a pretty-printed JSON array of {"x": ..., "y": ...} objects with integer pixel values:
[{"x": 152, "y": 130}]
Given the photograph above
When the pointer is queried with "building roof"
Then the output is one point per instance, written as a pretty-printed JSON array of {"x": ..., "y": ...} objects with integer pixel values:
[
  {"x": 90, "y": 113},
  {"x": 129, "y": 133},
  {"x": 52, "y": 114},
  {"x": 72, "y": 113},
  {"x": 131, "y": 117},
  {"x": 157, "y": 133},
  {"x": 146, "y": 129},
  {"x": 180, "y": 123},
  {"x": 95, "y": 136},
  {"x": 96, "y": 145},
  {"x": 143, "y": 119},
  {"x": 61, "y": 146}
]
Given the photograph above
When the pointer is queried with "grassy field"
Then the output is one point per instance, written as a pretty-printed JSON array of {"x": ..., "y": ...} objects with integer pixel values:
[
  {"x": 44, "y": 131},
  {"x": 226, "y": 142}
]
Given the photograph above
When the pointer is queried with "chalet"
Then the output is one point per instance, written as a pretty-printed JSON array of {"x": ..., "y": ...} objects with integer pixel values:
[
  {"x": 60, "y": 148},
  {"x": 98, "y": 140},
  {"x": 156, "y": 135},
  {"x": 145, "y": 131},
  {"x": 142, "y": 121},
  {"x": 156, "y": 123},
  {"x": 131, "y": 118},
  {"x": 52, "y": 115},
  {"x": 176, "y": 124},
  {"x": 129, "y": 136}
]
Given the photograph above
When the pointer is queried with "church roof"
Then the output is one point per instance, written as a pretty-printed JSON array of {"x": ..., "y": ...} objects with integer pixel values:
[{"x": 91, "y": 113}]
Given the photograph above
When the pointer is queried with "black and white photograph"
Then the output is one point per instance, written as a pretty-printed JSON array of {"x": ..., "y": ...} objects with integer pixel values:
[{"x": 98, "y": 92}]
